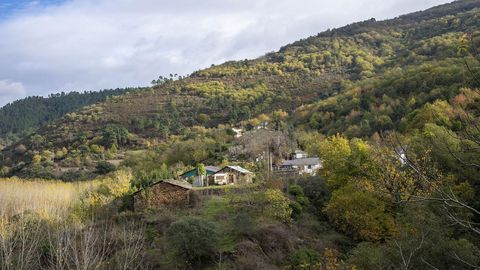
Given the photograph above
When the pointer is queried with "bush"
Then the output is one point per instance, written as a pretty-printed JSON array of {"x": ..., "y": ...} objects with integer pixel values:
[
  {"x": 4, "y": 171},
  {"x": 297, "y": 209},
  {"x": 104, "y": 167},
  {"x": 303, "y": 259},
  {"x": 316, "y": 191},
  {"x": 244, "y": 224},
  {"x": 295, "y": 190},
  {"x": 77, "y": 175},
  {"x": 192, "y": 241},
  {"x": 303, "y": 201},
  {"x": 277, "y": 205}
]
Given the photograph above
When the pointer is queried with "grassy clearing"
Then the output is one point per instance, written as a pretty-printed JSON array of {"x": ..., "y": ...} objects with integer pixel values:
[{"x": 49, "y": 199}]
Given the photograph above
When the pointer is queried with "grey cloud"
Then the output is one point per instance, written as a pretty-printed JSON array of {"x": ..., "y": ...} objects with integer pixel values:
[
  {"x": 10, "y": 90},
  {"x": 96, "y": 44}
]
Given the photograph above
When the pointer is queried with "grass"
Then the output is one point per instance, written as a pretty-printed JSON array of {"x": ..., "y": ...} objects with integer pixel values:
[
  {"x": 216, "y": 207},
  {"x": 49, "y": 199},
  {"x": 221, "y": 211}
]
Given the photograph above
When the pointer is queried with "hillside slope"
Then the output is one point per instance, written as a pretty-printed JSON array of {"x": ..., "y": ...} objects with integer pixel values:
[
  {"x": 359, "y": 79},
  {"x": 24, "y": 116}
]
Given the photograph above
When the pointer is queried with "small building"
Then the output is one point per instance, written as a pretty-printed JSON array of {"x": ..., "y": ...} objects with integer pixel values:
[
  {"x": 299, "y": 154},
  {"x": 302, "y": 165},
  {"x": 233, "y": 175},
  {"x": 198, "y": 180},
  {"x": 163, "y": 193},
  {"x": 238, "y": 132}
]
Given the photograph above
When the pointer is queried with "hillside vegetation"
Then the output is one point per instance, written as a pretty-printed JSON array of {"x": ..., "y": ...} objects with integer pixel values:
[
  {"x": 391, "y": 108},
  {"x": 24, "y": 116},
  {"x": 360, "y": 79}
]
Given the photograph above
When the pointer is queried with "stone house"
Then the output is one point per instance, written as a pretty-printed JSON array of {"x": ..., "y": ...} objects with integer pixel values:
[
  {"x": 176, "y": 193},
  {"x": 233, "y": 175}
]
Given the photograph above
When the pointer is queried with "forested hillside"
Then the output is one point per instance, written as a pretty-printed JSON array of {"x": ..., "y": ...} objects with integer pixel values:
[
  {"x": 390, "y": 109},
  {"x": 360, "y": 79},
  {"x": 24, "y": 116}
]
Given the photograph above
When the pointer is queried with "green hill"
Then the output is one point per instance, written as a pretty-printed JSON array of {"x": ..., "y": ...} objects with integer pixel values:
[
  {"x": 24, "y": 116},
  {"x": 360, "y": 79},
  {"x": 391, "y": 109}
]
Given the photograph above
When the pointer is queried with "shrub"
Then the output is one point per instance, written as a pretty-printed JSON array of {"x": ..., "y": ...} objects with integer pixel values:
[
  {"x": 104, "y": 167},
  {"x": 20, "y": 149},
  {"x": 303, "y": 259},
  {"x": 316, "y": 191},
  {"x": 4, "y": 171},
  {"x": 243, "y": 224},
  {"x": 277, "y": 205},
  {"x": 109, "y": 188},
  {"x": 297, "y": 209},
  {"x": 295, "y": 190},
  {"x": 192, "y": 241},
  {"x": 303, "y": 201}
]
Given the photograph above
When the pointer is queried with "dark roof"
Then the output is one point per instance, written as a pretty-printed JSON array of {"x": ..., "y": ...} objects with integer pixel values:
[
  {"x": 237, "y": 168},
  {"x": 302, "y": 161},
  {"x": 179, "y": 183}
]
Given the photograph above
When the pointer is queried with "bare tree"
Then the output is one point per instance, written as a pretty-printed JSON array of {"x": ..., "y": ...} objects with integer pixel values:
[
  {"x": 88, "y": 247},
  {"x": 19, "y": 243},
  {"x": 132, "y": 242},
  {"x": 406, "y": 255}
]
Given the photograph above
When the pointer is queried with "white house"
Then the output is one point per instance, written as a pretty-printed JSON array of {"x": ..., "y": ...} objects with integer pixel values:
[{"x": 302, "y": 165}]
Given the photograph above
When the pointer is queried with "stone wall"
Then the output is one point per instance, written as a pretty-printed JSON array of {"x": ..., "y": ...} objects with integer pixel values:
[{"x": 161, "y": 195}]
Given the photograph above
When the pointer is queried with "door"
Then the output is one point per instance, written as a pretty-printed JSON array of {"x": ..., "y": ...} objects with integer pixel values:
[{"x": 231, "y": 178}]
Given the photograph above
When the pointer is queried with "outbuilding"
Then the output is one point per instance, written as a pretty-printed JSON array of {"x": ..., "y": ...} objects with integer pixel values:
[{"x": 163, "y": 193}]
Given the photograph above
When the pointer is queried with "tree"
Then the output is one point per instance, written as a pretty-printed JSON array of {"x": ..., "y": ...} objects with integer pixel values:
[
  {"x": 104, "y": 167},
  {"x": 334, "y": 152},
  {"x": 423, "y": 240},
  {"x": 37, "y": 140},
  {"x": 192, "y": 241},
  {"x": 20, "y": 149},
  {"x": 360, "y": 214},
  {"x": 114, "y": 135},
  {"x": 202, "y": 172},
  {"x": 346, "y": 161},
  {"x": 317, "y": 192},
  {"x": 277, "y": 205},
  {"x": 36, "y": 159}
]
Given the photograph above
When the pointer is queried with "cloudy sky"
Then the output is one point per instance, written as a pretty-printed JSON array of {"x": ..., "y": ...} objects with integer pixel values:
[{"x": 48, "y": 46}]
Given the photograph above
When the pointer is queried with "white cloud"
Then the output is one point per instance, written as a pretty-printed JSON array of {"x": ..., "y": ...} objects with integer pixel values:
[
  {"x": 95, "y": 44},
  {"x": 10, "y": 91}
]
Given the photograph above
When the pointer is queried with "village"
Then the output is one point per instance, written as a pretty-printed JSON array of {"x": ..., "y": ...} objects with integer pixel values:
[{"x": 203, "y": 179}]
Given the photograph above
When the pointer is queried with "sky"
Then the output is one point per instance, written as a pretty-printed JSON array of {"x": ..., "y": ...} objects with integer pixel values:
[{"x": 49, "y": 46}]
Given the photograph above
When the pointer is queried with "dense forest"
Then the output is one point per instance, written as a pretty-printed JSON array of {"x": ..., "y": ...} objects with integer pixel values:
[
  {"x": 390, "y": 107},
  {"x": 24, "y": 116}
]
